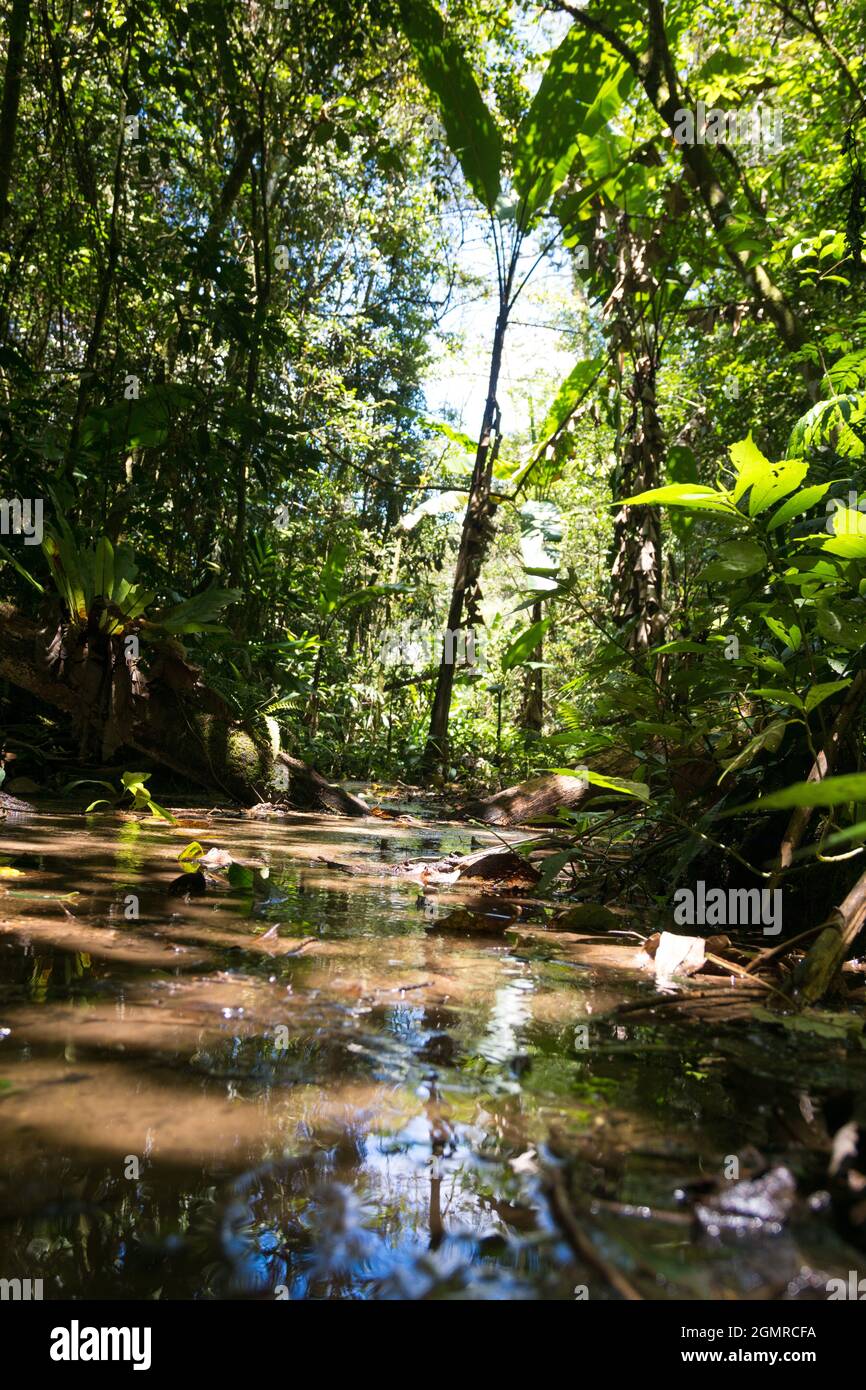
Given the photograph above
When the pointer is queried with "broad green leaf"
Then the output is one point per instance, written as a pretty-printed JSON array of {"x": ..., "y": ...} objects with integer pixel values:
[
  {"x": 524, "y": 644},
  {"x": 695, "y": 496},
  {"x": 197, "y": 614},
  {"x": 839, "y": 624},
  {"x": 817, "y": 694},
  {"x": 552, "y": 866},
  {"x": 570, "y": 393},
  {"x": 240, "y": 877},
  {"x": 765, "y": 482},
  {"x": 639, "y": 790},
  {"x": 736, "y": 560},
  {"x": 832, "y": 791},
  {"x": 783, "y": 478},
  {"x": 472, "y": 132},
  {"x": 103, "y": 568},
  {"x": 779, "y": 697},
  {"x": 791, "y": 636},
  {"x": 749, "y": 464},
  {"x": 799, "y": 503},
  {"x": 683, "y": 644},
  {"x": 540, "y": 539},
  {"x": 582, "y": 87}
]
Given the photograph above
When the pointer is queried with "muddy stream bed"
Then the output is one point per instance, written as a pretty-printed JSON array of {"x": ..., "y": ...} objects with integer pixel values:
[{"x": 325, "y": 1084}]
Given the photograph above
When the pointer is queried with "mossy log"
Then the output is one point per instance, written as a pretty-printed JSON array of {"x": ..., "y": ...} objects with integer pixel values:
[{"x": 180, "y": 724}]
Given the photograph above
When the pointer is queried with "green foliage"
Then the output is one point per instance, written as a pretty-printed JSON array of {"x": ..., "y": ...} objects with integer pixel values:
[
  {"x": 471, "y": 130},
  {"x": 134, "y": 785}
]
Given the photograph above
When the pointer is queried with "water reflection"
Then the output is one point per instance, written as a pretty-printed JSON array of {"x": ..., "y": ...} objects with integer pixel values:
[{"x": 324, "y": 1084}]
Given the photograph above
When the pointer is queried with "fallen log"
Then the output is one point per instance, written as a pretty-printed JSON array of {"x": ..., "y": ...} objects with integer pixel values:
[
  {"x": 182, "y": 726},
  {"x": 538, "y": 799},
  {"x": 13, "y": 805}
]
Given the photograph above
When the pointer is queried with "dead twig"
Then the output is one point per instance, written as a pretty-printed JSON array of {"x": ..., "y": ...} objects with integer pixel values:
[{"x": 583, "y": 1247}]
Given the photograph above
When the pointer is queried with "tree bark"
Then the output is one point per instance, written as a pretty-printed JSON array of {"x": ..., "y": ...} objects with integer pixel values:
[
  {"x": 532, "y": 714},
  {"x": 474, "y": 541},
  {"x": 633, "y": 326},
  {"x": 636, "y": 571},
  {"x": 11, "y": 101}
]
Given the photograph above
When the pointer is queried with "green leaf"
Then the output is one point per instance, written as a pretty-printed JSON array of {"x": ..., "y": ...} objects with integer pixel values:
[
  {"x": 737, "y": 560},
  {"x": 838, "y": 625},
  {"x": 779, "y": 697},
  {"x": 791, "y": 636},
  {"x": 817, "y": 694},
  {"x": 799, "y": 503},
  {"x": 240, "y": 877},
  {"x": 695, "y": 496},
  {"x": 552, "y": 866},
  {"x": 639, "y": 790},
  {"x": 765, "y": 482},
  {"x": 568, "y": 396},
  {"x": 524, "y": 645},
  {"x": 749, "y": 464},
  {"x": 832, "y": 791},
  {"x": 830, "y": 422},
  {"x": 472, "y": 132},
  {"x": 540, "y": 539},
  {"x": 580, "y": 90},
  {"x": 197, "y": 614},
  {"x": 782, "y": 478}
]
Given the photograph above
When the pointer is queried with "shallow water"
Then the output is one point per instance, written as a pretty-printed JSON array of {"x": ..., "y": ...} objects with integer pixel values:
[{"x": 335, "y": 1085}]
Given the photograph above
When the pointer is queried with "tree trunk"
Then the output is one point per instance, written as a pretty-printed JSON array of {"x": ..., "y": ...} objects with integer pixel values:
[
  {"x": 637, "y": 544},
  {"x": 474, "y": 541},
  {"x": 11, "y": 98},
  {"x": 633, "y": 326},
  {"x": 532, "y": 714}
]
